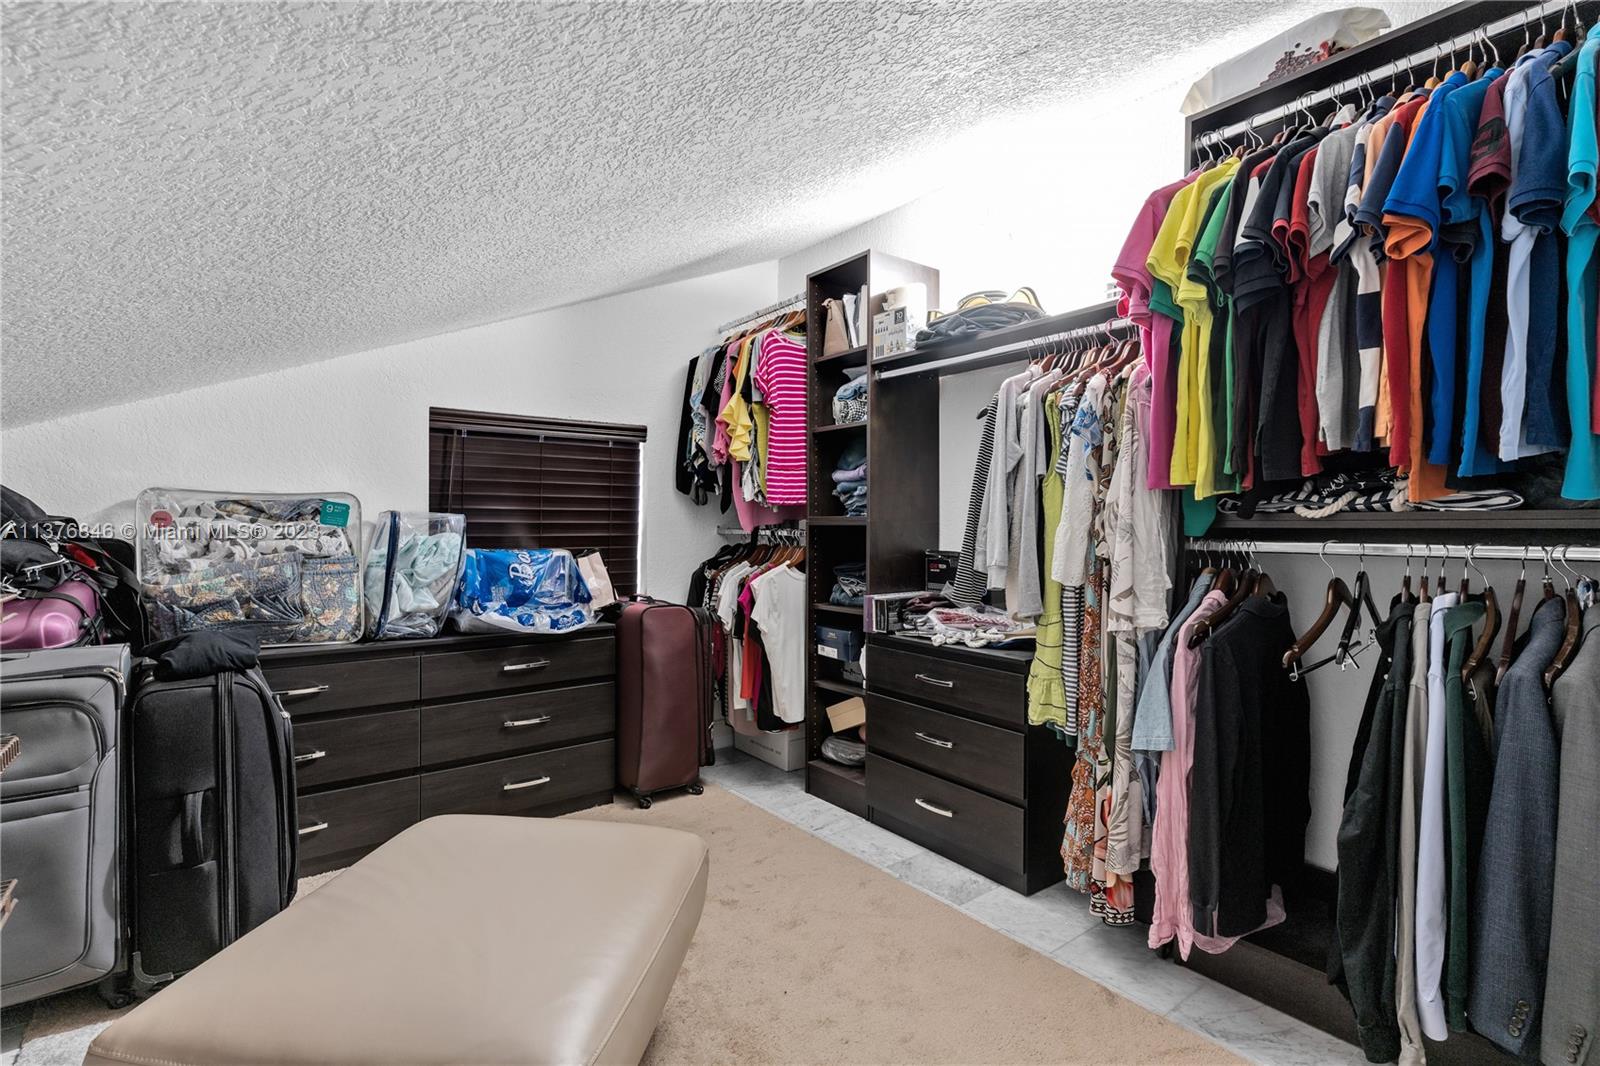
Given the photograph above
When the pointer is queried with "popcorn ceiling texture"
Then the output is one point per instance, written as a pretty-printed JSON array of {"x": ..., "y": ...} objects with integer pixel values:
[{"x": 201, "y": 192}]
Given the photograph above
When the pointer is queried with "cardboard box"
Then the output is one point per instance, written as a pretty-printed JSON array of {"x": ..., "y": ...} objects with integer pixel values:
[
  {"x": 894, "y": 332},
  {"x": 847, "y": 714},
  {"x": 785, "y": 750}
]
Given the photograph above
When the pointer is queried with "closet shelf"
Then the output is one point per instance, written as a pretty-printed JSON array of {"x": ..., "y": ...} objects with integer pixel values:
[
  {"x": 840, "y": 687},
  {"x": 855, "y": 775},
  {"x": 1535, "y": 524},
  {"x": 850, "y": 357},
  {"x": 834, "y": 608},
  {"x": 837, "y": 520},
  {"x": 839, "y": 427}
]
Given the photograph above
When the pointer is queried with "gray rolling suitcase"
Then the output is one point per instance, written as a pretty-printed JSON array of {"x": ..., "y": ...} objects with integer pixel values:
[{"x": 61, "y": 818}]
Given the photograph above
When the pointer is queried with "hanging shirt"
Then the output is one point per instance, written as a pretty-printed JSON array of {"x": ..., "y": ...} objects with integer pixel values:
[
  {"x": 1132, "y": 274},
  {"x": 780, "y": 611},
  {"x": 1352, "y": 244},
  {"x": 1336, "y": 358},
  {"x": 1468, "y": 771},
  {"x": 1489, "y": 179},
  {"x": 1578, "y": 221},
  {"x": 1196, "y": 433},
  {"x": 781, "y": 375},
  {"x": 1430, "y": 835},
  {"x": 994, "y": 528},
  {"x": 1523, "y": 237},
  {"x": 1468, "y": 231},
  {"x": 1411, "y": 782}
]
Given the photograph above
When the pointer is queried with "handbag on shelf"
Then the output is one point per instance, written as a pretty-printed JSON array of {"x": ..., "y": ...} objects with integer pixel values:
[{"x": 835, "y": 334}]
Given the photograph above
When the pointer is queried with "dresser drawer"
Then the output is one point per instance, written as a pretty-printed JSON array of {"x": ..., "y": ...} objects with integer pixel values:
[
  {"x": 500, "y": 725},
  {"x": 552, "y": 662},
  {"x": 524, "y": 784},
  {"x": 986, "y": 757},
  {"x": 345, "y": 684},
  {"x": 330, "y": 750},
  {"x": 998, "y": 696},
  {"x": 337, "y": 828},
  {"x": 978, "y": 831}
]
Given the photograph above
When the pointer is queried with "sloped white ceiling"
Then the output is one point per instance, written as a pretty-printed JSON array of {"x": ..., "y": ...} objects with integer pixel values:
[{"x": 195, "y": 192}]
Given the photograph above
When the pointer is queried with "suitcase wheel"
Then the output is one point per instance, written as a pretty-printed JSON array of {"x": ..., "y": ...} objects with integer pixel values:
[
  {"x": 645, "y": 803},
  {"x": 697, "y": 789}
]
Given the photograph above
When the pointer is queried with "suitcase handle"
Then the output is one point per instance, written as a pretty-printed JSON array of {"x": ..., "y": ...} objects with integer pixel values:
[
  {"x": 941, "y": 682},
  {"x": 320, "y": 826},
  {"x": 935, "y": 741},
  {"x": 537, "y": 664},
  {"x": 514, "y": 785},
  {"x": 518, "y": 723},
  {"x": 313, "y": 756},
  {"x": 309, "y": 690},
  {"x": 942, "y": 812}
]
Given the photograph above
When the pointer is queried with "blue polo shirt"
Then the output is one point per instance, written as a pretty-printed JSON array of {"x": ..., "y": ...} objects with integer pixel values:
[{"x": 1582, "y": 480}]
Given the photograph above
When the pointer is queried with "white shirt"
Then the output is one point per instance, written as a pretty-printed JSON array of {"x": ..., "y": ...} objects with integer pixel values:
[
  {"x": 1070, "y": 558},
  {"x": 727, "y": 603},
  {"x": 1431, "y": 872},
  {"x": 780, "y": 611},
  {"x": 992, "y": 553}
]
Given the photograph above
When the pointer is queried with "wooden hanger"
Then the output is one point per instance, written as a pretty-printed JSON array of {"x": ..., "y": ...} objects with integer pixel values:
[
  {"x": 1363, "y": 599},
  {"x": 1508, "y": 642},
  {"x": 1246, "y": 585},
  {"x": 1569, "y": 641},
  {"x": 1336, "y": 599},
  {"x": 1491, "y": 619}
]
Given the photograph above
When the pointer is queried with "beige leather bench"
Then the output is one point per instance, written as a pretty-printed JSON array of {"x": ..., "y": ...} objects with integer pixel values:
[{"x": 465, "y": 939}]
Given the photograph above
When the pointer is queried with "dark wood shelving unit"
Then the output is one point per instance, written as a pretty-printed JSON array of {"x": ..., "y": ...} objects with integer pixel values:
[{"x": 832, "y": 537}]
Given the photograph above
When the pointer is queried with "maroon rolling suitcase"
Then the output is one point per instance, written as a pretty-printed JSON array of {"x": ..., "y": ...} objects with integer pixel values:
[{"x": 664, "y": 686}]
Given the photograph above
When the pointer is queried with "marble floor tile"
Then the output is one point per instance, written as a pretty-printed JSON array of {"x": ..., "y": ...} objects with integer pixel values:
[
  {"x": 869, "y": 843},
  {"x": 1037, "y": 925},
  {"x": 938, "y": 876},
  {"x": 1118, "y": 959}
]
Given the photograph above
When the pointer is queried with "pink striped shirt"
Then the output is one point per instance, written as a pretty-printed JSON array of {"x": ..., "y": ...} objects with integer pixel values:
[{"x": 781, "y": 376}]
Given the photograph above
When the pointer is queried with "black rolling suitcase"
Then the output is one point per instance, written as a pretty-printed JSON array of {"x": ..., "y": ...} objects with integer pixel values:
[{"x": 212, "y": 818}]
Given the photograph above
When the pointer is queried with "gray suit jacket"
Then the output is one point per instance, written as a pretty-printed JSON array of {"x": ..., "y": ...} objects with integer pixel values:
[
  {"x": 1572, "y": 982},
  {"x": 1511, "y": 925}
]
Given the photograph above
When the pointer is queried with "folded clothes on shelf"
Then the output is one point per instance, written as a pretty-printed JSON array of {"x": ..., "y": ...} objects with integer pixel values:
[{"x": 849, "y": 585}]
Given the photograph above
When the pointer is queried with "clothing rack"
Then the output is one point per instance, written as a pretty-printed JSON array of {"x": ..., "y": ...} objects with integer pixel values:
[
  {"x": 793, "y": 303},
  {"x": 1554, "y": 553},
  {"x": 1005, "y": 353},
  {"x": 790, "y": 533},
  {"x": 1453, "y": 44}
]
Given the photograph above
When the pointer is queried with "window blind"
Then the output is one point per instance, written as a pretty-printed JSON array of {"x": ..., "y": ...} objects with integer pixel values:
[{"x": 540, "y": 483}]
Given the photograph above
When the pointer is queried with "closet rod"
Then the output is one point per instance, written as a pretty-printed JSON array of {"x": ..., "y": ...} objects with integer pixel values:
[
  {"x": 1019, "y": 348},
  {"x": 793, "y": 303},
  {"x": 1575, "y": 552},
  {"x": 1407, "y": 63}
]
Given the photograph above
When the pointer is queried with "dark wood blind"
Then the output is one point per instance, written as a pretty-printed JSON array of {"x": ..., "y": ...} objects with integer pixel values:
[{"x": 540, "y": 483}]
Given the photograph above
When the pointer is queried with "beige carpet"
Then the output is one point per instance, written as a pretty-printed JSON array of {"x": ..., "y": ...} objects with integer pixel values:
[{"x": 806, "y": 954}]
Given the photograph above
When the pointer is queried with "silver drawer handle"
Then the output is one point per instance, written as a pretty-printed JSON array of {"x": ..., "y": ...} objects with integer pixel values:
[
  {"x": 941, "y": 682},
  {"x": 537, "y": 664},
  {"x": 513, "y": 786},
  {"x": 311, "y": 756},
  {"x": 935, "y": 741},
  {"x": 942, "y": 812},
  {"x": 518, "y": 723},
  {"x": 320, "y": 826},
  {"x": 310, "y": 690}
]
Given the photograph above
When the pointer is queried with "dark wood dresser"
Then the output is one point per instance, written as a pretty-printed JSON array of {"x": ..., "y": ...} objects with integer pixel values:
[
  {"x": 387, "y": 734},
  {"x": 953, "y": 764}
]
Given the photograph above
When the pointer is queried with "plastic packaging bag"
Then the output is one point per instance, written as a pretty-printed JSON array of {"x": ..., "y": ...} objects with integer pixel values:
[
  {"x": 534, "y": 590},
  {"x": 414, "y": 561},
  {"x": 285, "y": 565}
]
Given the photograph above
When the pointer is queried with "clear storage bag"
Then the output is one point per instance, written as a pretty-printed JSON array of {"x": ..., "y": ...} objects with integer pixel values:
[
  {"x": 286, "y": 565},
  {"x": 414, "y": 561}
]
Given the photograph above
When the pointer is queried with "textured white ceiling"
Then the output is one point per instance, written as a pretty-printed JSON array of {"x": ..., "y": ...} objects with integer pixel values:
[{"x": 195, "y": 192}]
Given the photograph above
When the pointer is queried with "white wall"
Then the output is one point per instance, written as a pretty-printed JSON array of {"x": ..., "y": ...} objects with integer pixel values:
[{"x": 360, "y": 423}]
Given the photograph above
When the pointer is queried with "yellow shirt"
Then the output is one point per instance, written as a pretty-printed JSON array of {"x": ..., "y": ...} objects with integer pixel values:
[
  {"x": 736, "y": 414},
  {"x": 1197, "y": 314}
]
